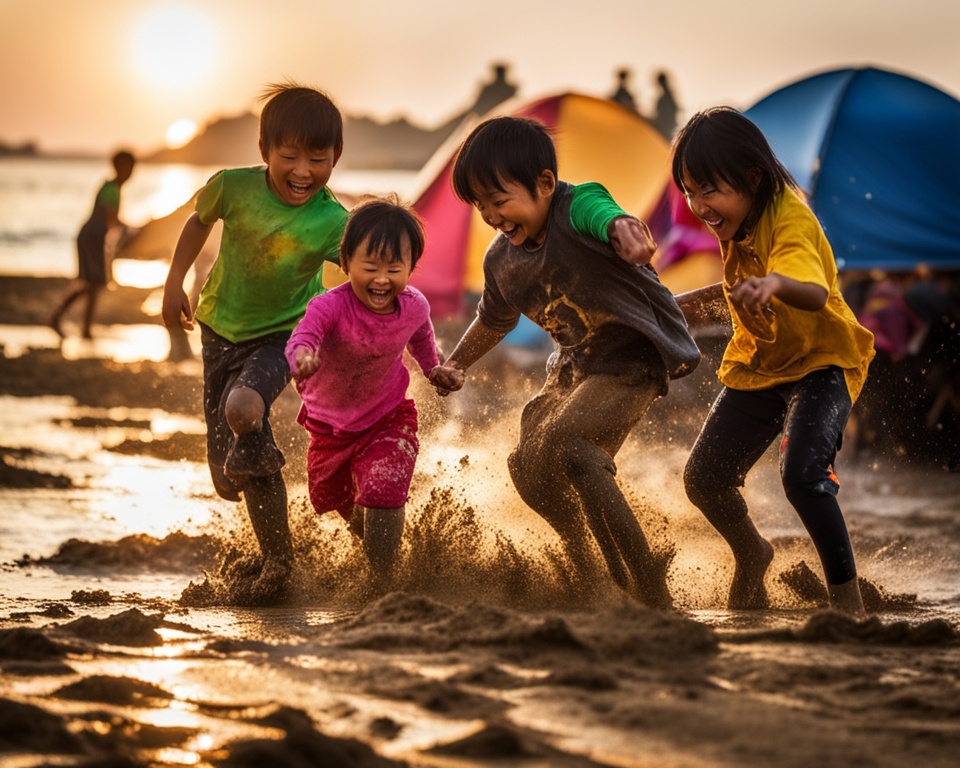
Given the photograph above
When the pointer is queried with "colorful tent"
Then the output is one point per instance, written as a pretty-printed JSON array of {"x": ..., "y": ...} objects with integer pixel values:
[
  {"x": 688, "y": 254},
  {"x": 597, "y": 140},
  {"x": 878, "y": 155}
]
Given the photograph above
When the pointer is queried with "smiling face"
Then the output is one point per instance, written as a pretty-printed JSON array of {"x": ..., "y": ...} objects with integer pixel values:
[
  {"x": 718, "y": 205},
  {"x": 519, "y": 215},
  {"x": 376, "y": 279},
  {"x": 295, "y": 174}
]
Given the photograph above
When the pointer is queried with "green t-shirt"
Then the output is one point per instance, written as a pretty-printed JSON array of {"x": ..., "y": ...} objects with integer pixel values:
[
  {"x": 109, "y": 195},
  {"x": 271, "y": 254}
]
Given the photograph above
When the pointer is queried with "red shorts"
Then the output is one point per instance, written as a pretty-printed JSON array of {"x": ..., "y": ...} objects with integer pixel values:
[{"x": 372, "y": 468}]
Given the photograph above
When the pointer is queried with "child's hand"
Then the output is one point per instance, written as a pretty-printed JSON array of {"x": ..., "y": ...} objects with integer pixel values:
[
  {"x": 307, "y": 361},
  {"x": 176, "y": 309},
  {"x": 446, "y": 379},
  {"x": 753, "y": 293},
  {"x": 751, "y": 299},
  {"x": 632, "y": 241}
]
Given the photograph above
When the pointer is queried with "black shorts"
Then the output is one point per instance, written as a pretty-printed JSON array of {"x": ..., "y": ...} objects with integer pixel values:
[{"x": 259, "y": 364}]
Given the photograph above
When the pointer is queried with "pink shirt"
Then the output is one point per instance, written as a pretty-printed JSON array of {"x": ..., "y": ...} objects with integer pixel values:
[{"x": 362, "y": 376}]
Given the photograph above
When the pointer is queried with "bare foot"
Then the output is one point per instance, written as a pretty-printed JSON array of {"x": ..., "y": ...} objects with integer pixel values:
[
  {"x": 747, "y": 591},
  {"x": 652, "y": 591},
  {"x": 267, "y": 588},
  {"x": 846, "y": 598}
]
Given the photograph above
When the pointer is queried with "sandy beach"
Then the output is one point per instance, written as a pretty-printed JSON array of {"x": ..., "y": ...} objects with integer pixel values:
[{"x": 119, "y": 645}]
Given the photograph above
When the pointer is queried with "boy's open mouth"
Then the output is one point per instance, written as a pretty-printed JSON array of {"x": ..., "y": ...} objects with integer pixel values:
[{"x": 299, "y": 189}]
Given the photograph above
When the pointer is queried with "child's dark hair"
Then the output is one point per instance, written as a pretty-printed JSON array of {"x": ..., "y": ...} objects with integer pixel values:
[
  {"x": 722, "y": 145},
  {"x": 302, "y": 116},
  {"x": 123, "y": 158},
  {"x": 384, "y": 224},
  {"x": 503, "y": 149}
]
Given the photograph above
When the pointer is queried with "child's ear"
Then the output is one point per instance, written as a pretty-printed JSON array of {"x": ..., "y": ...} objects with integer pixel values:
[
  {"x": 263, "y": 151},
  {"x": 756, "y": 176},
  {"x": 546, "y": 183}
]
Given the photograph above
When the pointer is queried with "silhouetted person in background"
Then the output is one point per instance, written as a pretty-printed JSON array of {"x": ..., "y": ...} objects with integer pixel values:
[
  {"x": 664, "y": 118},
  {"x": 622, "y": 94},
  {"x": 91, "y": 245},
  {"x": 495, "y": 92}
]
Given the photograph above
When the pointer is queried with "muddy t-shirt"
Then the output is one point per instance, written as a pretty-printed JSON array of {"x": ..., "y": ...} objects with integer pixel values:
[
  {"x": 575, "y": 287},
  {"x": 271, "y": 254}
]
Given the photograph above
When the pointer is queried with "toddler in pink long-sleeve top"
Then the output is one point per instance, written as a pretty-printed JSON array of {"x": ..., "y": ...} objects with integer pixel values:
[{"x": 346, "y": 356}]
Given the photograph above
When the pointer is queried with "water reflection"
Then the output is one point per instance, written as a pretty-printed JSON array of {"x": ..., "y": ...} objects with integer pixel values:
[
  {"x": 156, "y": 190},
  {"x": 140, "y": 274},
  {"x": 120, "y": 343}
]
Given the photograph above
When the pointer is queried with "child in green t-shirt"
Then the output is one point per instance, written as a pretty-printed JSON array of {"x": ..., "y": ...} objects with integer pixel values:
[
  {"x": 92, "y": 276},
  {"x": 280, "y": 223}
]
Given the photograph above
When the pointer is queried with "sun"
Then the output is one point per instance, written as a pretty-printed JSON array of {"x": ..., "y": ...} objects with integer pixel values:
[
  {"x": 173, "y": 44},
  {"x": 180, "y": 132}
]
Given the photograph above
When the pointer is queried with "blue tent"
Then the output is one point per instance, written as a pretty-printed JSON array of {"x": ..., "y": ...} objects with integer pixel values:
[{"x": 878, "y": 155}]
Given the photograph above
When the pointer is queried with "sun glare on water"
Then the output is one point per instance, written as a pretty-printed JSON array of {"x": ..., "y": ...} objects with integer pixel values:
[{"x": 180, "y": 132}]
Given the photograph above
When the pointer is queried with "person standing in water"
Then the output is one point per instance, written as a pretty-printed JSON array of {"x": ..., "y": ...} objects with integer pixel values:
[
  {"x": 575, "y": 263},
  {"x": 795, "y": 364},
  {"x": 280, "y": 224},
  {"x": 91, "y": 246}
]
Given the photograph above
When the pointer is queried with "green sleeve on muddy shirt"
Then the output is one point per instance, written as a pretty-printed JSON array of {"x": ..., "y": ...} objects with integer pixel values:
[{"x": 592, "y": 208}]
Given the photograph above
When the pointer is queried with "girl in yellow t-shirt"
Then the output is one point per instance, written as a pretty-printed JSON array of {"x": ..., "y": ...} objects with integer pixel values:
[{"x": 796, "y": 361}]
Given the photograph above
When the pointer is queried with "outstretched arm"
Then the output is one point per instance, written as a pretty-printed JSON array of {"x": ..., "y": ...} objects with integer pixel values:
[
  {"x": 176, "y": 304},
  {"x": 703, "y": 307},
  {"x": 476, "y": 342},
  {"x": 755, "y": 292}
]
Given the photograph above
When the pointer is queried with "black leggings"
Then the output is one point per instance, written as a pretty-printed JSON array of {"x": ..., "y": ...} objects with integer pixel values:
[{"x": 811, "y": 414}]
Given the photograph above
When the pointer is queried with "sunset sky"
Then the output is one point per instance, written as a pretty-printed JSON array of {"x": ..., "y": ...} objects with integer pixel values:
[{"x": 93, "y": 74}]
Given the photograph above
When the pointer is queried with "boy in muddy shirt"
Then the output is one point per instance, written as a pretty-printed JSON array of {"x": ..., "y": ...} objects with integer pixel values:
[{"x": 569, "y": 258}]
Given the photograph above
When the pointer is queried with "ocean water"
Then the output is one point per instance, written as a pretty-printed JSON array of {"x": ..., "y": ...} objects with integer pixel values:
[{"x": 44, "y": 201}]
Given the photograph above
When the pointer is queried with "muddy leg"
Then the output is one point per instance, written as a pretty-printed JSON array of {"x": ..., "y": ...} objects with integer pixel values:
[
  {"x": 382, "y": 536},
  {"x": 564, "y": 461},
  {"x": 737, "y": 431},
  {"x": 267, "y": 507},
  {"x": 561, "y": 509},
  {"x": 752, "y": 555}
]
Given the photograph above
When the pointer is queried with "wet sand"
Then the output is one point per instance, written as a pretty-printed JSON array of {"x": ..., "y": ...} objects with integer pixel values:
[{"x": 124, "y": 650}]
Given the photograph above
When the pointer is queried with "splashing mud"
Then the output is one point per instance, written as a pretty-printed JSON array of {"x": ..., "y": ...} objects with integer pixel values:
[{"x": 122, "y": 641}]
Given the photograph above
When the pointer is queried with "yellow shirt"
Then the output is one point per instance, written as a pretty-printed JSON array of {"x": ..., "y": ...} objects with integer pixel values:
[{"x": 788, "y": 240}]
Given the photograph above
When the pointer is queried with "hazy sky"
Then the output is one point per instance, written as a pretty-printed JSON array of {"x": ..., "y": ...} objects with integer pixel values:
[{"x": 94, "y": 74}]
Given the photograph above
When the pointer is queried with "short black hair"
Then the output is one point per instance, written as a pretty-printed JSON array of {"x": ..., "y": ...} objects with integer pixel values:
[
  {"x": 299, "y": 115},
  {"x": 503, "y": 149},
  {"x": 123, "y": 158},
  {"x": 721, "y": 144},
  {"x": 383, "y": 223}
]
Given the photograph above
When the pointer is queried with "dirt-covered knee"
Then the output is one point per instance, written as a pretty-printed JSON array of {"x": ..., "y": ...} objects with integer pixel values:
[
  {"x": 702, "y": 485},
  {"x": 533, "y": 473},
  {"x": 244, "y": 410}
]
